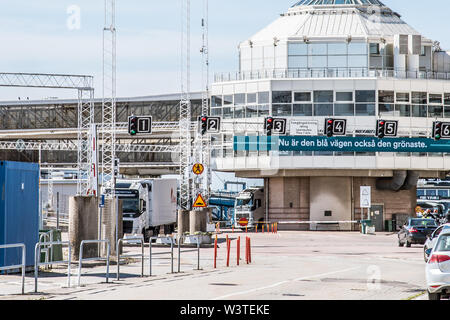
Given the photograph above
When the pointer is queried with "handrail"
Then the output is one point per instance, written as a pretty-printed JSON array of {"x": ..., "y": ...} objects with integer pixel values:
[
  {"x": 303, "y": 73},
  {"x": 129, "y": 256},
  {"x": 22, "y": 266},
  {"x": 92, "y": 259},
  {"x": 37, "y": 263},
  {"x": 150, "y": 251}
]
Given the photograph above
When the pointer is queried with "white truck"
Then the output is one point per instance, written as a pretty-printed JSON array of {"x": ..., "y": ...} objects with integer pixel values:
[
  {"x": 157, "y": 207},
  {"x": 249, "y": 208}
]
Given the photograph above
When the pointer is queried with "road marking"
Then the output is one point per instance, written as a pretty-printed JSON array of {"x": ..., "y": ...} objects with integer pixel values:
[{"x": 283, "y": 282}]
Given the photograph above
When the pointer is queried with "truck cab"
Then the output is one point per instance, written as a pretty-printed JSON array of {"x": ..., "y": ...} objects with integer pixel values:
[{"x": 249, "y": 208}]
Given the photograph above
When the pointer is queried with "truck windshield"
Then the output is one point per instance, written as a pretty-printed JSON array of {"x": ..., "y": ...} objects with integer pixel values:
[
  {"x": 244, "y": 202},
  {"x": 131, "y": 205}
]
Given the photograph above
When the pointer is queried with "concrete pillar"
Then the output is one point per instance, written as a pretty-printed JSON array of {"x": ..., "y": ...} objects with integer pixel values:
[
  {"x": 83, "y": 225},
  {"x": 183, "y": 221},
  {"x": 109, "y": 224},
  {"x": 198, "y": 220}
]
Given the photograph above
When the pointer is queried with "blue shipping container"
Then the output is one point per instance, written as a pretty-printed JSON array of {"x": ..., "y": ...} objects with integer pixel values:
[{"x": 19, "y": 210}]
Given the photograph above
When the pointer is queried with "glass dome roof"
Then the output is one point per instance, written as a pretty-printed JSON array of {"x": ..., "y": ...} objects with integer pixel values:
[{"x": 337, "y": 2}]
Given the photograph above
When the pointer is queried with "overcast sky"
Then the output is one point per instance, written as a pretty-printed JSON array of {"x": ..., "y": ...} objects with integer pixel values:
[{"x": 36, "y": 37}]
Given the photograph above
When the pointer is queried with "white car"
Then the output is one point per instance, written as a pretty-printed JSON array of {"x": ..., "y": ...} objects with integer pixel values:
[
  {"x": 438, "y": 268},
  {"x": 432, "y": 239}
]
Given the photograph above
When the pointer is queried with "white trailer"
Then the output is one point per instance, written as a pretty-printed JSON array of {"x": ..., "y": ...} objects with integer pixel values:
[{"x": 157, "y": 206}]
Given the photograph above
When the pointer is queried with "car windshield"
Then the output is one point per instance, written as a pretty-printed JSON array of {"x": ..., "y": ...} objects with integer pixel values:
[
  {"x": 423, "y": 222},
  {"x": 444, "y": 243}
]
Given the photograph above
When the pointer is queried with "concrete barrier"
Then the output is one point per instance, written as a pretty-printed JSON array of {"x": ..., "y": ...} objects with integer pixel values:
[
  {"x": 183, "y": 222},
  {"x": 83, "y": 225},
  {"x": 198, "y": 220}
]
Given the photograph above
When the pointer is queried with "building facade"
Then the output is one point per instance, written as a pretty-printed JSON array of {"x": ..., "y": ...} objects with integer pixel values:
[{"x": 347, "y": 59}]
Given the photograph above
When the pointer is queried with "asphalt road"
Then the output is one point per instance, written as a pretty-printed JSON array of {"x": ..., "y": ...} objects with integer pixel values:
[{"x": 285, "y": 266}]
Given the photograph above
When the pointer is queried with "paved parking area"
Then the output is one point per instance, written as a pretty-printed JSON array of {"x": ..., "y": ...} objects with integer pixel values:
[{"x": 287, "y": 265}]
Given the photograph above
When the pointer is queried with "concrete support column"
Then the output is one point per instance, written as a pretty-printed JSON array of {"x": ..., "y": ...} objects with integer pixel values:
[
  {"x": 109, "y": 224},
  {"x": 83, "y": 225},
  {"x": 183, "y": 222},
  {"x": 197, "y": 221}
]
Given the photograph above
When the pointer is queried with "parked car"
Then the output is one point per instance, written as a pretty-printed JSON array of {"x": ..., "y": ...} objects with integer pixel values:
[
  {"x": 438, "y": 268},
  {"x": 415, "y": 231},
  {"x": 431, "y": 240}
]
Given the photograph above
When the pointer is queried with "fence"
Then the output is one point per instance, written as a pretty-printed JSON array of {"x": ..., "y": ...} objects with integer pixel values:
[
  {"x": 93, "y": 259},
  {"x": 160, "y": 253},
  {"x": 37, "y": 258},
  {"x": 186, "y": 251},
  {"x": 21, "y": 266},
  {"x": 141, "y": 241}
]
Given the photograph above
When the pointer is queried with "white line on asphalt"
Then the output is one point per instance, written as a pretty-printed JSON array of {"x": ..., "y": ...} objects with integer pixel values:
[{"x": 283, "y": 282}]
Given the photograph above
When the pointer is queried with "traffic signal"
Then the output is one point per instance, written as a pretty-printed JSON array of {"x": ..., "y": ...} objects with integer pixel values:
[
  {"x": 329, "y": 125},
  {"x": 381, "y": 129},
  {"x": 437, "y": 130},
  {"x": 268, "y": 125},
  {"x": 204, "y": 125},
  {"x": 133, "y": 125}
]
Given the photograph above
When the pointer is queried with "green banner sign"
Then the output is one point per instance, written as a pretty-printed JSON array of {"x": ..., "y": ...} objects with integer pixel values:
[{"x": 340, "y": 144}]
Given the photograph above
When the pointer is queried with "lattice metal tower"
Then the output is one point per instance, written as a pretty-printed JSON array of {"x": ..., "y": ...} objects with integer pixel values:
[
  {"x": 202, "y": 144},
  {"x": 185, "y": 107},
  {"x": 206, "y": 142},
  {"x": 108, "y": 135}
]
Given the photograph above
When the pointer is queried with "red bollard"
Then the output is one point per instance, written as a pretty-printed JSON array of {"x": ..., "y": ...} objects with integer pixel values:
[
  {"x": 246, "y": 250},
  {"x": 215, "y": 253},
  {"x": 228, "y": 251},
  {"x": 249, "y": 251},
  {"x": 238, "y": 253}
]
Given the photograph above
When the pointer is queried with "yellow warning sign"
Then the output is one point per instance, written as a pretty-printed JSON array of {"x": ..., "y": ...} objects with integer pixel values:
[
  {"x": 200, "y": 202},
  {"x": 198, "y": 169}
]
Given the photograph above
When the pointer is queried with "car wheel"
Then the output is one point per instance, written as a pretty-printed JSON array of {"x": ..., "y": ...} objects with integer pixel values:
[
  {"x": 434, "y": 296},
  {"x": 408, "y": 244}
]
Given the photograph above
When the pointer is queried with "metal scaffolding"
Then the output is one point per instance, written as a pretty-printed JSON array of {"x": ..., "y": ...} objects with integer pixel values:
[
  {"x": 108, "y": 132},
  {"x": 185, "y": 107},
  {"x": 84, "y": 85},
  {"x": 206, "y": 142}
]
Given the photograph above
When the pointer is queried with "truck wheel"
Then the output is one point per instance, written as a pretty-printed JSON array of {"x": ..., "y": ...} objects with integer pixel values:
[
  {"x": 146, "y": 236},
  {"x": 434, "y": 296}
]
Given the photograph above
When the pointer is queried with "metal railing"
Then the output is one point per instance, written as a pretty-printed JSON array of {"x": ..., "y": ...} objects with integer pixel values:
[
  {"x": 37, "y": 263},
  {"x": 141, "y": 241},
  {"x": 46, "y": 237},
  {"x": 186, "y": 251},
  {"x": 93, "y": 259},
  {"x": 21, "y": 266},
  {"x": 306, "y": 73},
  {"x": 160, "y": 253}
]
